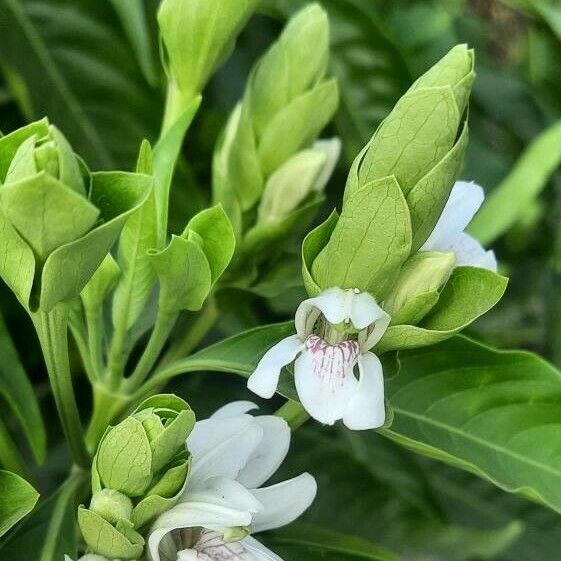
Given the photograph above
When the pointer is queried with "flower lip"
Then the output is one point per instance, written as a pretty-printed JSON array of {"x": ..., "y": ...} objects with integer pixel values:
[{"x": 350, "y": 307}]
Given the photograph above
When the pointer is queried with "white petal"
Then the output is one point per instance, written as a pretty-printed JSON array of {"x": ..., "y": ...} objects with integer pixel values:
[
  {"x": 270, "y": 453},
  {"x": 284, "y": 503},
  {"x": 194, "y": 515},
  {"x": 464, "y": 201},
  {"x": 234, "y": 409},
  {"x": 258, "y": 551},
  {"x": 334, "y": 303},
  {"x": 470, "y": 252},
  {"x": 221, "y": 491},
  {"x": 265, "y": 379},
  {"x": 366, "y": 408},
  {"x": 187, "y": 555},
  {"x": 222, "y": 447},
  {"x": 332, "y": 149},
  {"x": 365, "y": 311},
  {"x": 324, "y": 378}
]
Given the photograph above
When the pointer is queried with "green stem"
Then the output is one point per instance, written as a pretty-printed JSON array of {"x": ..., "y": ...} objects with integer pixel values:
[
  {"x": 293, "y": 413},
  {"x": 193, "y": 335},
  {"x": 79, "y": 335},
  {"x": 116, "y": 360},
  {"x": 176, "y": 104},
  {"x": 52, "y": 329},
  {"x": 95, "y": 340},
  {"x": 107, "y": 407},
  {"x": 162, "y": 328}
]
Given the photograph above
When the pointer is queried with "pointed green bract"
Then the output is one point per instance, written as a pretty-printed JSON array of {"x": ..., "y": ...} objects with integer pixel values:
[
  {"x": 370, "y": 242},
  {"x": 16, "y": 500},
  {"x": 101, "y": 284}
]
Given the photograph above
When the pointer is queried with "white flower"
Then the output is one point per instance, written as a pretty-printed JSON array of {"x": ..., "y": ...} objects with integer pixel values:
[
  {"x": 448, "y": 234},
  {"x": 334, "y": 334},
  {"x": 233, "y": 454}
]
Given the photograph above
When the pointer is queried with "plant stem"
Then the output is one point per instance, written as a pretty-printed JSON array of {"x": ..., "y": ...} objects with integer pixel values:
[
  {"x": 162, "y": 328},
  {"x": 52, "y": 329},
  {"x": 293, "y": 413},
  {"x": 116, "y": 359},
  {"x": 107, "y": 407},
  {"x": 193, "y": 335},
  {"x": 176, "y": 104},
  {"x": 95, "y": 340}
]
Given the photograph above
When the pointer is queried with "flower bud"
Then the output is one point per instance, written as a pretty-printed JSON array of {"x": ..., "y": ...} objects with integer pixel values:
[
  {"x": 111, "y": 505},
  {"x": 51, "y": 221},
  {"x": 140, "y": 471},
  {"x": 303, "y": 174},
  {"x": 131, "y": 454},
  {"x": 286, "y": 104},
  {"x": 197, "y": 36},
  {"x": 416, "y": 290}
]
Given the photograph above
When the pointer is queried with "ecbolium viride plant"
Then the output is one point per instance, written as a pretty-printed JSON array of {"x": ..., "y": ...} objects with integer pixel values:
[{"x": 91, "y": 259}]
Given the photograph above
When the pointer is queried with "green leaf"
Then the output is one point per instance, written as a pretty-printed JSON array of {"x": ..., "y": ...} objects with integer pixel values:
[
  {"x": 509, "y": 200},
  {"x": 370, "y": 242},
  {"x": 184, "y": 273},
  {"x": 139, "y": 235},
  {"x": 316, "y": 543},
  {"x": 117, "y": 195},
  {"x": 132, "y": 14},
  {"x": 494, "y": 413},
  {"x": 218, "y": 242},
  {"x": 470, "y": 293},
  {"x": 238, "y": 355},
  {"x": 17, "y": 500},
  {"x": 166, "y": 153},
  {"x": 79, "y": 55},
  {"x": 49, "y": 533},
  {"x": 18, "y": 393}
]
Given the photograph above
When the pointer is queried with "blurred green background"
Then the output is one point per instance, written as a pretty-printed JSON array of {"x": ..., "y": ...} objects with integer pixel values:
[{"x": 92, "y": 67}]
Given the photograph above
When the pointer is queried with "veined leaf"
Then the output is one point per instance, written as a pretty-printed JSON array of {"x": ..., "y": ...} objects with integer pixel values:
[
  {"x": 494, "y": 413},
  {"x": 16, "y": 389},
  {"x": 17, "y": 500}
]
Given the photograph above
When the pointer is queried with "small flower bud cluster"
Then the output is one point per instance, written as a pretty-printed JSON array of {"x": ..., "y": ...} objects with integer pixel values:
[{"x": 140, "y": 471}]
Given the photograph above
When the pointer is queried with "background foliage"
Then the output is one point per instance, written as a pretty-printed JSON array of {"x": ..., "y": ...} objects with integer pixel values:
[{"x": 91, "y": 65}]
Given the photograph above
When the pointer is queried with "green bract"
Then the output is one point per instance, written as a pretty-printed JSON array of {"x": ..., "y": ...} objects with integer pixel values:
[
  {"x": 139, "y": 471},
  {"x": 286, "y": 104},
  {"x": 54, "y": 215}
]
